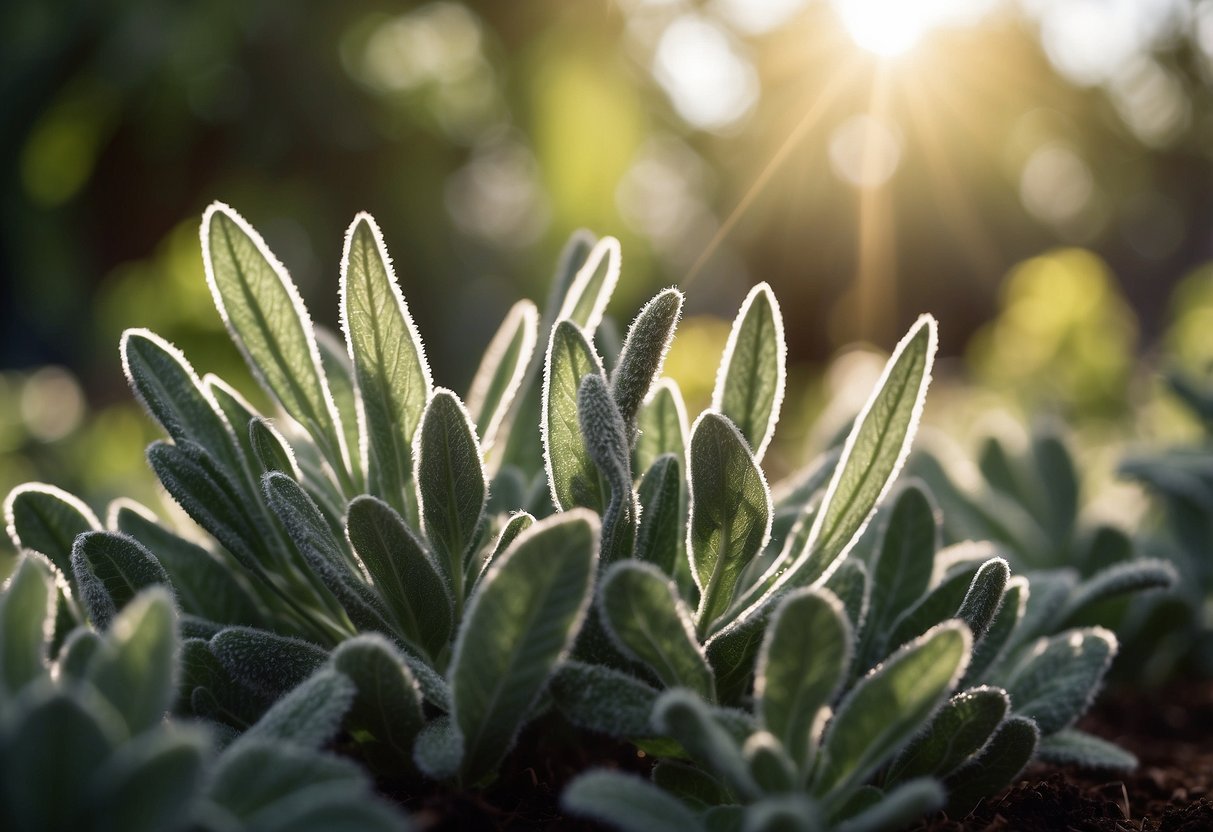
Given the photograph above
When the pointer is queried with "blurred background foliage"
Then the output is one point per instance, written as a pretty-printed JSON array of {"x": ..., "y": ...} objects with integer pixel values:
[{"x": 1034, "y": 172}]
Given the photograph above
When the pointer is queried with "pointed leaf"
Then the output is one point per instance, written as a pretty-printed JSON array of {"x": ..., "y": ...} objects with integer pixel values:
[
  {"x": 271, "y": 449},
  {"x": 643, "y": 354},
  {"x": 661, "y": 425},
  {"x": 591, "y": 289},
  {"x": 572, "y": 475},
  {"x": 627, "y": 803},
  {"x": 502, "y": 369},
  {"x": 750, "y": 381}
]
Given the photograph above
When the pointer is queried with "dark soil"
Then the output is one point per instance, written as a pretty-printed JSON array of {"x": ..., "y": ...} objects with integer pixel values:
[{"x": 1171, "y": 732}]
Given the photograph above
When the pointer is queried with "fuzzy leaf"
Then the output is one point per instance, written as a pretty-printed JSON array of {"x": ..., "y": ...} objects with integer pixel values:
[
  {"x": 339, "y": 371},
  {"x": 651, "y": 624},
  {"x": 985, "y": 593},
  {"x": 750, "y": 381},
  {"x": 265, "y": 316},
  {"x": 627, "y": 803},
  {"x": 889, "y": 706},
  {"x": 996, "y": 767},
  {"x": 959, "y": 729},
  {"x": 1071, "y": 747},
  {"x": 265, "y": 777},
  {"x": 269, "y": 664},
  {"x": 801, "y": 668},
  {"x": 516, "y": 525},
  {"x": 271, "y": 449},
  {"x": 110, "y": 569},
  {"x": 643, "y": 354},
  {"x": 572, "y": 475},
  {"x": 403, "y": 571},
  {"x": 136, "y": 665},
  {"x": 770, "y": 766},
  {"x": 390, "y": 367},
  {"x": 47, "y": 519},
  {"x": 1056, "y": 679},
  {"x": 151, "y": 784},
  {"x": 521, "y": 621},
  {"x": 439, "y": 750},
  {"x": 940, "y": 604},
  {"x": 387, "y": 703},
  {"x": 26, "y": 606},
  {"x": 661, "y": 514},
  {"x": 592, "y": 286},
  {"x": 730, "y": 512},
  {"x": 686, "y": 718},
  {"x": 898, "y": 808},
  {"x": 662, "y": 425},
  {"x": 990, "y": 648},
  {"x": 1119, "y": 579},
  {"x": 308, "y": 716},
  {"x": 451, "y": 484},
  {"x": 501, "y": 371},
  {"x": 604, "y": 434},
  {"x": 602, "y": 699},
  {"x": 850, "y": 584}
]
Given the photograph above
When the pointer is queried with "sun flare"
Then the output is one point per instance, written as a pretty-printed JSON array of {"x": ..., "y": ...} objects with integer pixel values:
[{"x": 889, "y": 28}]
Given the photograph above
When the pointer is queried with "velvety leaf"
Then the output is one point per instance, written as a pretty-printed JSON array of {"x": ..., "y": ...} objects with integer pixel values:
[
  {"x": 151, "y": 784},
  {"x": 898, "y": 808},
  {"x": 26, "y": 606},
  {"x": 733, "y": 651},
  {"x": 265, "y": 316},
  {"x": 516, "y": 525},
  {"x": 602, "y": 699},
  {"x": 110, "y": 569},
  {"x": 988, "y": 650},
  {"x": 572, "y": 475},
  {"x": 1119, "y": 579},
  {"x": 995, "y": 768},
  {"x": 268, "y": 663},
  {"x": 750, "y": 381},
  {"x": 627, "y": 803},
  {"x": 770, "y": 766},
  {"x": 262, "y": 776},
  {"x": 136, "y": 665},
  {"x": 592, "y": 286},
  {"x": 390, "y": 367},
  {"x": 849, "y": 583},
  {"x": 960, "y": 728},
  {"x": 651, "y": 624},
  {"x": 520, "y": 622},
  {"x": 643, "y": 354},
  {"x": 686, "y": 718},
  {"x": 339, "y": 370},
  {"x": 387, "y": 702},
  {"x": 1071, "y": 747},
  {"x": 308, "y": 716},
  {"x": 47, "y": 519},
  {"x": 271, "y": 449},
  {"x": 661, "y": 425},
  {"x": 889, "y": 706},
  {"x": 1056, "y": 679},
  {"x": 940, "y": 604},
  {"x": 801, "y": 668},
  {"x": 985, "y": 593},
  {"x": 439, "y": 749},
  {"x": 730, "y": 512},
  {"x": 783, "y": 813},
  {"x": 661, "y": 514},
  {"x": 404, "y": 573},
  {"x": 603, "y": 430},
  {"x": 502, "y": 369}
]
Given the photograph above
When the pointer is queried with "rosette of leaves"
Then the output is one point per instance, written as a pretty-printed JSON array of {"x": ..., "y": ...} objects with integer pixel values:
[
  {"x": 365, "y": 506},
  {"x": 85, "y": 742}
]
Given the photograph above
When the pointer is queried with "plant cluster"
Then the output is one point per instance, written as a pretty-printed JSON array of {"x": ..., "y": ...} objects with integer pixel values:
[{"x": 428, "y": 574}]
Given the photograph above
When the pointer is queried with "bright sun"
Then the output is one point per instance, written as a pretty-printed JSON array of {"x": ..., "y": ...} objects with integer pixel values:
[{"x": 892, "y": 27}]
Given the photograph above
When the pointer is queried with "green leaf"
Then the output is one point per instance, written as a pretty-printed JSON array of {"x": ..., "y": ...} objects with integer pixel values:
[
  {"x": 308, "y": 716},
  {"x": 387, "y": 703},
  {"x": 602, "y": 699},
  {"x": 208, "y": 690},
  {"x": 995, "y": 768},
  {"x": 627, "y": 803},
  {"x": 649, "y": 623},
  {"x": 265, "y": 777},
  {"x": 940, "y": 604},
  {"x": 733, "y": 652},
  {"x": 502, "y": 369},
  {"x": 661, "y": 425},
  {"x": 572, "y": 475},
  {"x": 850, "y": 584},
  {"x": 265, "y": 316},
  {"x": 404, "y": 573},
  {"x": 603, "y": 431},
  {"x": 439, "y": 749},
  {"x": 47, "y": 519},
  {"x": 661, "y": 514},
  {"x": 730, "y": 512},
  {"x": 27, "y": 605},
  {"x": 520, "y": 622},
  {"x": 269, "y": 664},
  {"x": 770, "y": 766},
  {"x": 271, "y": 449},
  {"x": 339, "y": 370},
  {"x": 985, "y": 593},
  {"x": 899, "y": 808},
  {"x": 783, "y": 813},
  {"x": 690, "y": 784},
  {"x": 136, "y": 665},
  {"x": 1119, "y": 579},
  {"x": 110, "y": 569},
  {"x": 451, "y": 483},
  {"x": 592, "y": 286},
  {"x": 1071, "y": 747},
  {"x": 990, "y": 648},
  {"x": 151, "y": 784},
  {"x": 889, "y": 706},
  {"x": 643, "y": 354},
  {"x": 1056, "y": 679},
  {"x": 516, "y": 525},
  {"x": 959, "y": 729},
  {"x": 390, "y": 367},
  {"x": 750, "y": 381},
  {"x": 686, "y": 718},
  {"x": 801, "y": 668}
]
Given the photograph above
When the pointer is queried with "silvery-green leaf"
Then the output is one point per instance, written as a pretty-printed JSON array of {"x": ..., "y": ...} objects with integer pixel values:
[
  {"x": 849, "y": 583},
  {"x": 151, "y": 784},
  {"x": 602, "y": 699},
  {"x": 404, "y": 573},
  {"x": 1050, "y": 590},
  {"x": 996, "y": 767},
  {"x": 390, "y": 367},
  {"x": 135, "y": 667},
  {"x": 801, "y": 667},
  {"x": 438, "y": 750},
  {"x": 872, "y": 456},
  {"x": 269, "y": 664},
  {"x": 271, "y": 450},
  {"x": 960, "y": 728},
  {"x": 651, "y": 624},
  {"x": 204, "y": 586},
  {"x": 661, "y": 425},
  {"x": 1119, "y": 579},
  {"x": 77, "y": 653},
  {"x": 1059, "y": 495},
  {"x": 208, "y": 690},
  {"x": 502, "y": 369},
  {"x": 685, "y": 717},
  {"x": 1071, "y": 747},
  {"x": 339, "y": 370},
  {"x": 733, "y": 651},
  {"x": 990, "y": 648},
  {"x": 516, "y": 525},
  {"x": 750, "y": 381},
  {"x": 451, "y": 483},
  {"x": 572, "y": 475},
  {"x": 661, "y": 515},
  {"x": 387, "y": 703},
  {"x": 261, "y": 776},
  {"x": 1055, "y": 679},
  {"x": 26, "y": 606},
  {"x": 898, "y": 808},
  {"x": 985, "y": 593},
  {"x": 309, "y": 715},
  {"x": 592, "y": 286},
  {"x": 888, "y": 707},
  {"x": 110, "y": 569},
  {"x": 603, "y": 431},
  {"x": 265, "y": 316},
  {"x": 47, "y": 519},
  {"x": 902, "y": 569},
  {"x": 940, "y": 604},
  {"x": 770, "y": 766},
  {"x": 625, "y": 802},
  {"x": 730, "y": 512},
  {"x": 643, "y": 354},
  {"x": 517, "y": 627}
]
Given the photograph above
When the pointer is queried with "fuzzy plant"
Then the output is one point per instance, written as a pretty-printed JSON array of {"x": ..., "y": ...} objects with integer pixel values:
[{"x": 85, "y": 742}]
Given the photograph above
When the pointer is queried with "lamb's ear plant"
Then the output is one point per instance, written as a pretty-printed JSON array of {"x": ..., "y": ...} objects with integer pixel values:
[{"x": 86, "y": 743}]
